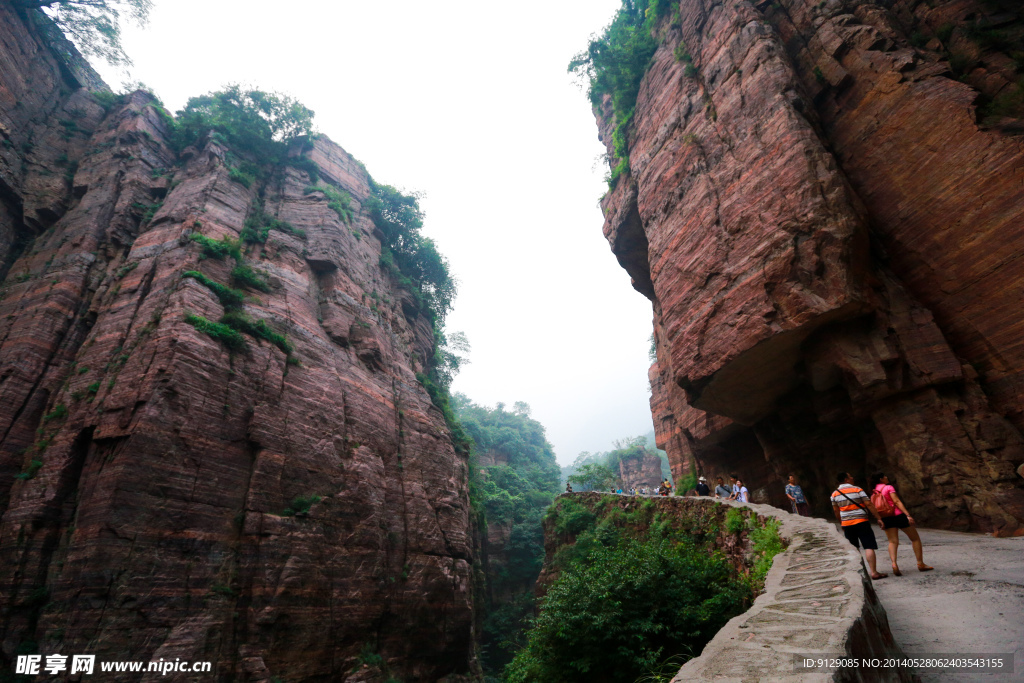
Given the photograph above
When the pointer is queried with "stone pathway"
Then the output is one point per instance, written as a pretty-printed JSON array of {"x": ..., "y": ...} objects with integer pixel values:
[{"x": 972, "y": 603}]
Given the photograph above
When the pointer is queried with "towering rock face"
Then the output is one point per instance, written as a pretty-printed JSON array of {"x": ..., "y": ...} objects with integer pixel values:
[
  {"x": 162, "y": 496},
  {"x": 640, "y": 469},
  {"x": 828, "y": 225}
]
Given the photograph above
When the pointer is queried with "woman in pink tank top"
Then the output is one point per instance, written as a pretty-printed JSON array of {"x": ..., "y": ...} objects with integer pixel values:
[{"x": 898, "y": 518}]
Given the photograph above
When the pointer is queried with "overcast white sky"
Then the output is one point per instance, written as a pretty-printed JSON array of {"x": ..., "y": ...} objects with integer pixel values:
[{"x": 469, "y": 103}]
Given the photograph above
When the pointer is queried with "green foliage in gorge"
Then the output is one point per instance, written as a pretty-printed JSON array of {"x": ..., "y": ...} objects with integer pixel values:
[
  {"x": 593, "y": 477},
  {"x": 512, "y": 495},
  {"x": 408, "y": 253},
  {"x": 628, "y": 607},
  {"x": 629, "y": 596}
]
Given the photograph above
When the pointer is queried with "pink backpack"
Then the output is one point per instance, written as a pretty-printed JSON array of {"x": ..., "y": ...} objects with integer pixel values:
[{"x": 883, "y": 504}]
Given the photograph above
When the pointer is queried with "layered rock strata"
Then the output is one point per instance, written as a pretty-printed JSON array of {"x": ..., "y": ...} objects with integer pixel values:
[
  {"x": 831, "y": 242},
  {"x": 285, "y": 515},
  {"x": 640, "y": 469}
]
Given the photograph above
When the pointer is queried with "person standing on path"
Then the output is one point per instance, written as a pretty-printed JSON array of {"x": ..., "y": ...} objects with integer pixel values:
[
  {"x": 796, "y": 496},
  {"x": 895, "y": 516},
  {"x": 720, "y": 490},
  {"x": 851, "y": 506},
  {"x": 739, "y": 491},
  {"x": 702, "y": 487}
]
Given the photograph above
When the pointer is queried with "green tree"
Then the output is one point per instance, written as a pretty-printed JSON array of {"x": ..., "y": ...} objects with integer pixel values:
[
  {"x": 592, "y": 477},
  {"x": 513, "y": 497},
  {"x": 94, "y": 25},
  {"x": 626, "y": 605},
  {"x": 254, "y": 122}
]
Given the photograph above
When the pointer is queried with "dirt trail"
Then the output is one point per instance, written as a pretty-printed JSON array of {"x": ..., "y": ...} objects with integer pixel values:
[{"x": 973, "y": 603}]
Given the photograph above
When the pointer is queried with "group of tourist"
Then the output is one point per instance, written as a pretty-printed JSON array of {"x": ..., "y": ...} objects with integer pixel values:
[{"x": 851, "y": 506}]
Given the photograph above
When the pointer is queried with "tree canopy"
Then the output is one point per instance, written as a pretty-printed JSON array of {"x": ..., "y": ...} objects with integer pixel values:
[
  {"x": 94, "y": 25},
  {"x": 253, "y": 121},
  {"x": 593, "y": 477}
]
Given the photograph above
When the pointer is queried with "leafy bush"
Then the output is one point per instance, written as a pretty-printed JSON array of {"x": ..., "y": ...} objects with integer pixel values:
[
  {"x": 241, "y": 177},
  {"x": 338, "y": 201},
  {"x": 229, "y": 298},
  {"x": 218, "y": 249},
  {"x": 766, "y": 543},
  {"x": 573, "y": 518},
  {"x": 624, "y": 607},
  {"x": 59, "y": 411},
  {"x": 308, "y": 165},
  {"x": 414, "y": 257},
  {"x": 592, "y": 477},
  {"x": 259, "y": 224},
  {"x": 615, "y": 63},
  {"x": 246, "y": 276},
  {"x": 30, "y": 471},
  {"x": 735, "y": 521},
  {"x": 225, "y": 334},
  {"x": 301, "y": 505},
  {"x": 240, "y": 322},
  {"x": 253, "y": 122}
]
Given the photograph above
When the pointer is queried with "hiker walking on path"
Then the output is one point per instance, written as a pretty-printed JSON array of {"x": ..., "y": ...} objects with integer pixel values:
[
  {"x": 796, "y": 496},
  {"x": 895, "y": 516},
  {"x": 851, "y": 506}
]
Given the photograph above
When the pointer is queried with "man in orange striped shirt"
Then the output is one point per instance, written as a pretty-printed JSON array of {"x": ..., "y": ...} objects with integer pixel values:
[{"x": 852, "y": 506}]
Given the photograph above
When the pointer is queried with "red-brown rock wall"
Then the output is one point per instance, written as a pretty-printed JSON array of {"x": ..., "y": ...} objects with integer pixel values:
[
  {"x": 156, "y": 521},
  {"x": 779, "y": 199},
  {"x": 641, "y": 469}
]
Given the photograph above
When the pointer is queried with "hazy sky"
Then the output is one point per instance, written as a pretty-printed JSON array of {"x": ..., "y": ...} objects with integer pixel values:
[{"x": 469, "y": 103}]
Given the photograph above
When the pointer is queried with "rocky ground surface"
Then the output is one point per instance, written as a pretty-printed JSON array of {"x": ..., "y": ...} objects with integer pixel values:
[{"x": 971, "y": 603}]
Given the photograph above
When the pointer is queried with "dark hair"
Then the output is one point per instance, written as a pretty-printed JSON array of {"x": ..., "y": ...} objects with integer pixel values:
[
  {"x": 841, "y": 477},
  {"x": 721, "y": 480},
  {"x": 793, "y": 474},
  {"x": 876, "y": 478},
  {"x": 733, "y": 476}
]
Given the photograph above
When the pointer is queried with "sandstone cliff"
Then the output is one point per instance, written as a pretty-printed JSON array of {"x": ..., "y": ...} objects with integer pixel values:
[
  {"x": 283, "y": 515},
  {"x": 823, "y": 204},
  {"x": 642, "y": 468}
]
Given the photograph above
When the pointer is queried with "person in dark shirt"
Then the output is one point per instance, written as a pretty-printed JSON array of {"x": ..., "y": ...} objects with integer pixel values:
[{"x": 702, "y": 487}]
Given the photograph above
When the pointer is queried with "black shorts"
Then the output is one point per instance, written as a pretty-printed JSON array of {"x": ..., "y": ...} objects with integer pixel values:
[
  {"x": 860, "y": 534},
  {"x": 896, "y": 522}
]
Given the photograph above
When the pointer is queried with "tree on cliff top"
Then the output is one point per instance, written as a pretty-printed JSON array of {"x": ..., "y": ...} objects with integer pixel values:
[
  {"x": 253, "y": 121},
  {"x": 94, "y": 25}
]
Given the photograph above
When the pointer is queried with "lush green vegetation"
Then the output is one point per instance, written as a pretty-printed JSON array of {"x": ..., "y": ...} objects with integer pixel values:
[
  {"x": 218, "y": 249},
  {"x": 591, "y": 463},
  {"x": 592, "y": 476},
  {"x": 259, "y": 224},
  {"x": 229, "y": 298},
  {"x": 257, "y": 124},
  {"x": 227, "y": 336},
  {"x": 94, "y": 25},
  {"x": 411, "y": 257},
  {"x": 247, "y": 276},
  {"x": 635, "y": 590},
  {"x": 338, "y": 201},
  {"x": 615, "y": 62},
  {"x": 514, "y": 496}
]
